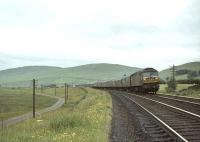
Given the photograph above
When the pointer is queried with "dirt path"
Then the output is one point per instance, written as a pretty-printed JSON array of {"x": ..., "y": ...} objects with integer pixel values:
[{"x": 14, "y": 120}]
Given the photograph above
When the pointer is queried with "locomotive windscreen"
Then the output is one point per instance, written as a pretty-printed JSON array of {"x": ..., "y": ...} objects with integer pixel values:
[{"x": 150, "y": 74}]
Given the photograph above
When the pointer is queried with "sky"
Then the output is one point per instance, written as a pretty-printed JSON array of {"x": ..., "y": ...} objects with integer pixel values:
[{"x": 137, "y": 33}]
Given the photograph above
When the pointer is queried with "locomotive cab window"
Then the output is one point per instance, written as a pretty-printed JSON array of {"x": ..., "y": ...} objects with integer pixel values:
[
  {"x": 153, "y": 74},
  {"x": 150, "y": 76},
  {"x": 146, "y": 74}
]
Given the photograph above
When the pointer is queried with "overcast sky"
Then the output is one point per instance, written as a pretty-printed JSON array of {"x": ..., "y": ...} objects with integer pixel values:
[{"x": 139, "y": 33}]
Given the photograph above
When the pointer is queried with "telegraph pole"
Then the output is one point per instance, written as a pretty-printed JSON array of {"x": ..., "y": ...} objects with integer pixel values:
[
  {"x": 173, "y": 69},
  {"x": 33, "y": 98},
  {"x": 173, "y": 74},
  {"x": 55, "y": 89},
  {"x": 66, "y": 92}
]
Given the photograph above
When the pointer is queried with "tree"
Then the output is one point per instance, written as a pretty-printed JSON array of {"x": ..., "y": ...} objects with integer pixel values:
[
  {"x": 171, "y": 85},
  {"x": 192, "y": 74},
  {"x": 182, "y": 72}
]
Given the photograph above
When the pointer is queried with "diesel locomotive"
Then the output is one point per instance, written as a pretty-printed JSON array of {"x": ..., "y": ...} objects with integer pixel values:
[{"x": 143, "y": 81}]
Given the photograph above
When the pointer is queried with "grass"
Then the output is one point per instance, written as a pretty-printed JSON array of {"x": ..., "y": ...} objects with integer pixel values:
[
  {"x": 60, "y": 91},
  {"x": 192, "y": 91},
  {"x": 16, "y": 101},
  {"x": 189, "y": 90},
  {"x": 85, "y": 118},
  {"x": 180, "y": 87}
]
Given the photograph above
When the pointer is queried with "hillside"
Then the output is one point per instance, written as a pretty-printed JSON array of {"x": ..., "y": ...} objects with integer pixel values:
[
  {"x": 47, "y": 75},
  {"x": 182, "y": 71},
  {"x": 90, "y": 73}
]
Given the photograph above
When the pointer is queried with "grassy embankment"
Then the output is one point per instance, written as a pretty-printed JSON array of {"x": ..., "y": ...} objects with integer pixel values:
[
  {"x": 16, "y": 101},
  {"x": 85, "y": 118},
  {"x": 189, "y": 90}
]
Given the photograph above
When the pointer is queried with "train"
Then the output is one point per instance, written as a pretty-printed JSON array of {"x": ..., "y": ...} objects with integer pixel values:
[{"x": 143, "y": 81}]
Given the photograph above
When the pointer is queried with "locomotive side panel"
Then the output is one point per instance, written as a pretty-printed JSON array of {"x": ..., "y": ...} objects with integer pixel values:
[
  {"x": 136, "y": 79},
  {"x": 118, "y": 83},
  {"x": 127, "y": 82}
]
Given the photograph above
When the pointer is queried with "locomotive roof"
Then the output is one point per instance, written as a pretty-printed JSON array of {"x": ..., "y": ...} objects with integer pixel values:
[{"x": 148, "y": 69}]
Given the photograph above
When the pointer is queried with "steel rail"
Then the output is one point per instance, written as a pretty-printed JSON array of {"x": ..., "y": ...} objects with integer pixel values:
[
  {"x": 166, "y": 127},
  {"x": 179, "y": 100},
  {"x": 184, "y": 111},
  {"x": 184, "y": 97}
]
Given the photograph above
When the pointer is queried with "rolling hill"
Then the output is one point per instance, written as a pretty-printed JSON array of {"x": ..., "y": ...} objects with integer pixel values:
[
  {"x": 22, "y": 76},
  {"x": 186, "y": 70},
  {"x": 89, "y": 73}
]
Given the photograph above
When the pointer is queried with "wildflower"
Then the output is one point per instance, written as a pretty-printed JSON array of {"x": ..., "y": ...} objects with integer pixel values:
[
  {"x": 100, "y": 103},
  {"x": 73, "y": 134},
  {"x": 39, "y": 120}
]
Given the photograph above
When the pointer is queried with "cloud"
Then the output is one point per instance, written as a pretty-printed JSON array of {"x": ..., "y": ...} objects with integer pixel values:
[{"x": 66, "y": 33}]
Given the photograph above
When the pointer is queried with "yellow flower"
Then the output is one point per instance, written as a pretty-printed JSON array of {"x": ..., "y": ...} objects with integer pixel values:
[
  {"x": 73, "y": 134},
  {"x": 39, "y": 120}
]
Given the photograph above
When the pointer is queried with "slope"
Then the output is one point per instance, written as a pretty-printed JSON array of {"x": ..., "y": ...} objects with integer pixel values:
[
  {"x": 193, "y": 66},
  {"x": 54, "y": 75}
]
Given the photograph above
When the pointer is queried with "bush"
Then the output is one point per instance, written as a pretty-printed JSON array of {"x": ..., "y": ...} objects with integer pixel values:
[
  {"x": 182, "y": 72},
  {"x": 171, "y": 86},
  {"x": 63, "y": 121},
  {"x": 192, "y": 74}
]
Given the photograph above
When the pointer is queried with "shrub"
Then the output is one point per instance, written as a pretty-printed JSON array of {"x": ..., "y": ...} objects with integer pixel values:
[
  {"x": 171, "y": 86},
  {"x": 72, "y": 120},
  {"x": 192, "y": 74}
]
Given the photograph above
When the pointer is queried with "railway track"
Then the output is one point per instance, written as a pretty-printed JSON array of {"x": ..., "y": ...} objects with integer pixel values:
[
  {"x": 184, "y": 124},
  {"x": 184, "y": 98},
  {"x": 188, "y": 104},
  {"x": 148, "y": 127}
]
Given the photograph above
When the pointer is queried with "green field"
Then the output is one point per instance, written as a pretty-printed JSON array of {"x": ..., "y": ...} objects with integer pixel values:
[
  {"x": 16, "y": 101},
  {"x": 189, "y": 90},
  {"x": 85, "y": 118},
  {"x": 180, "y": 87},
  {"x": 60, "y": 91}
]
